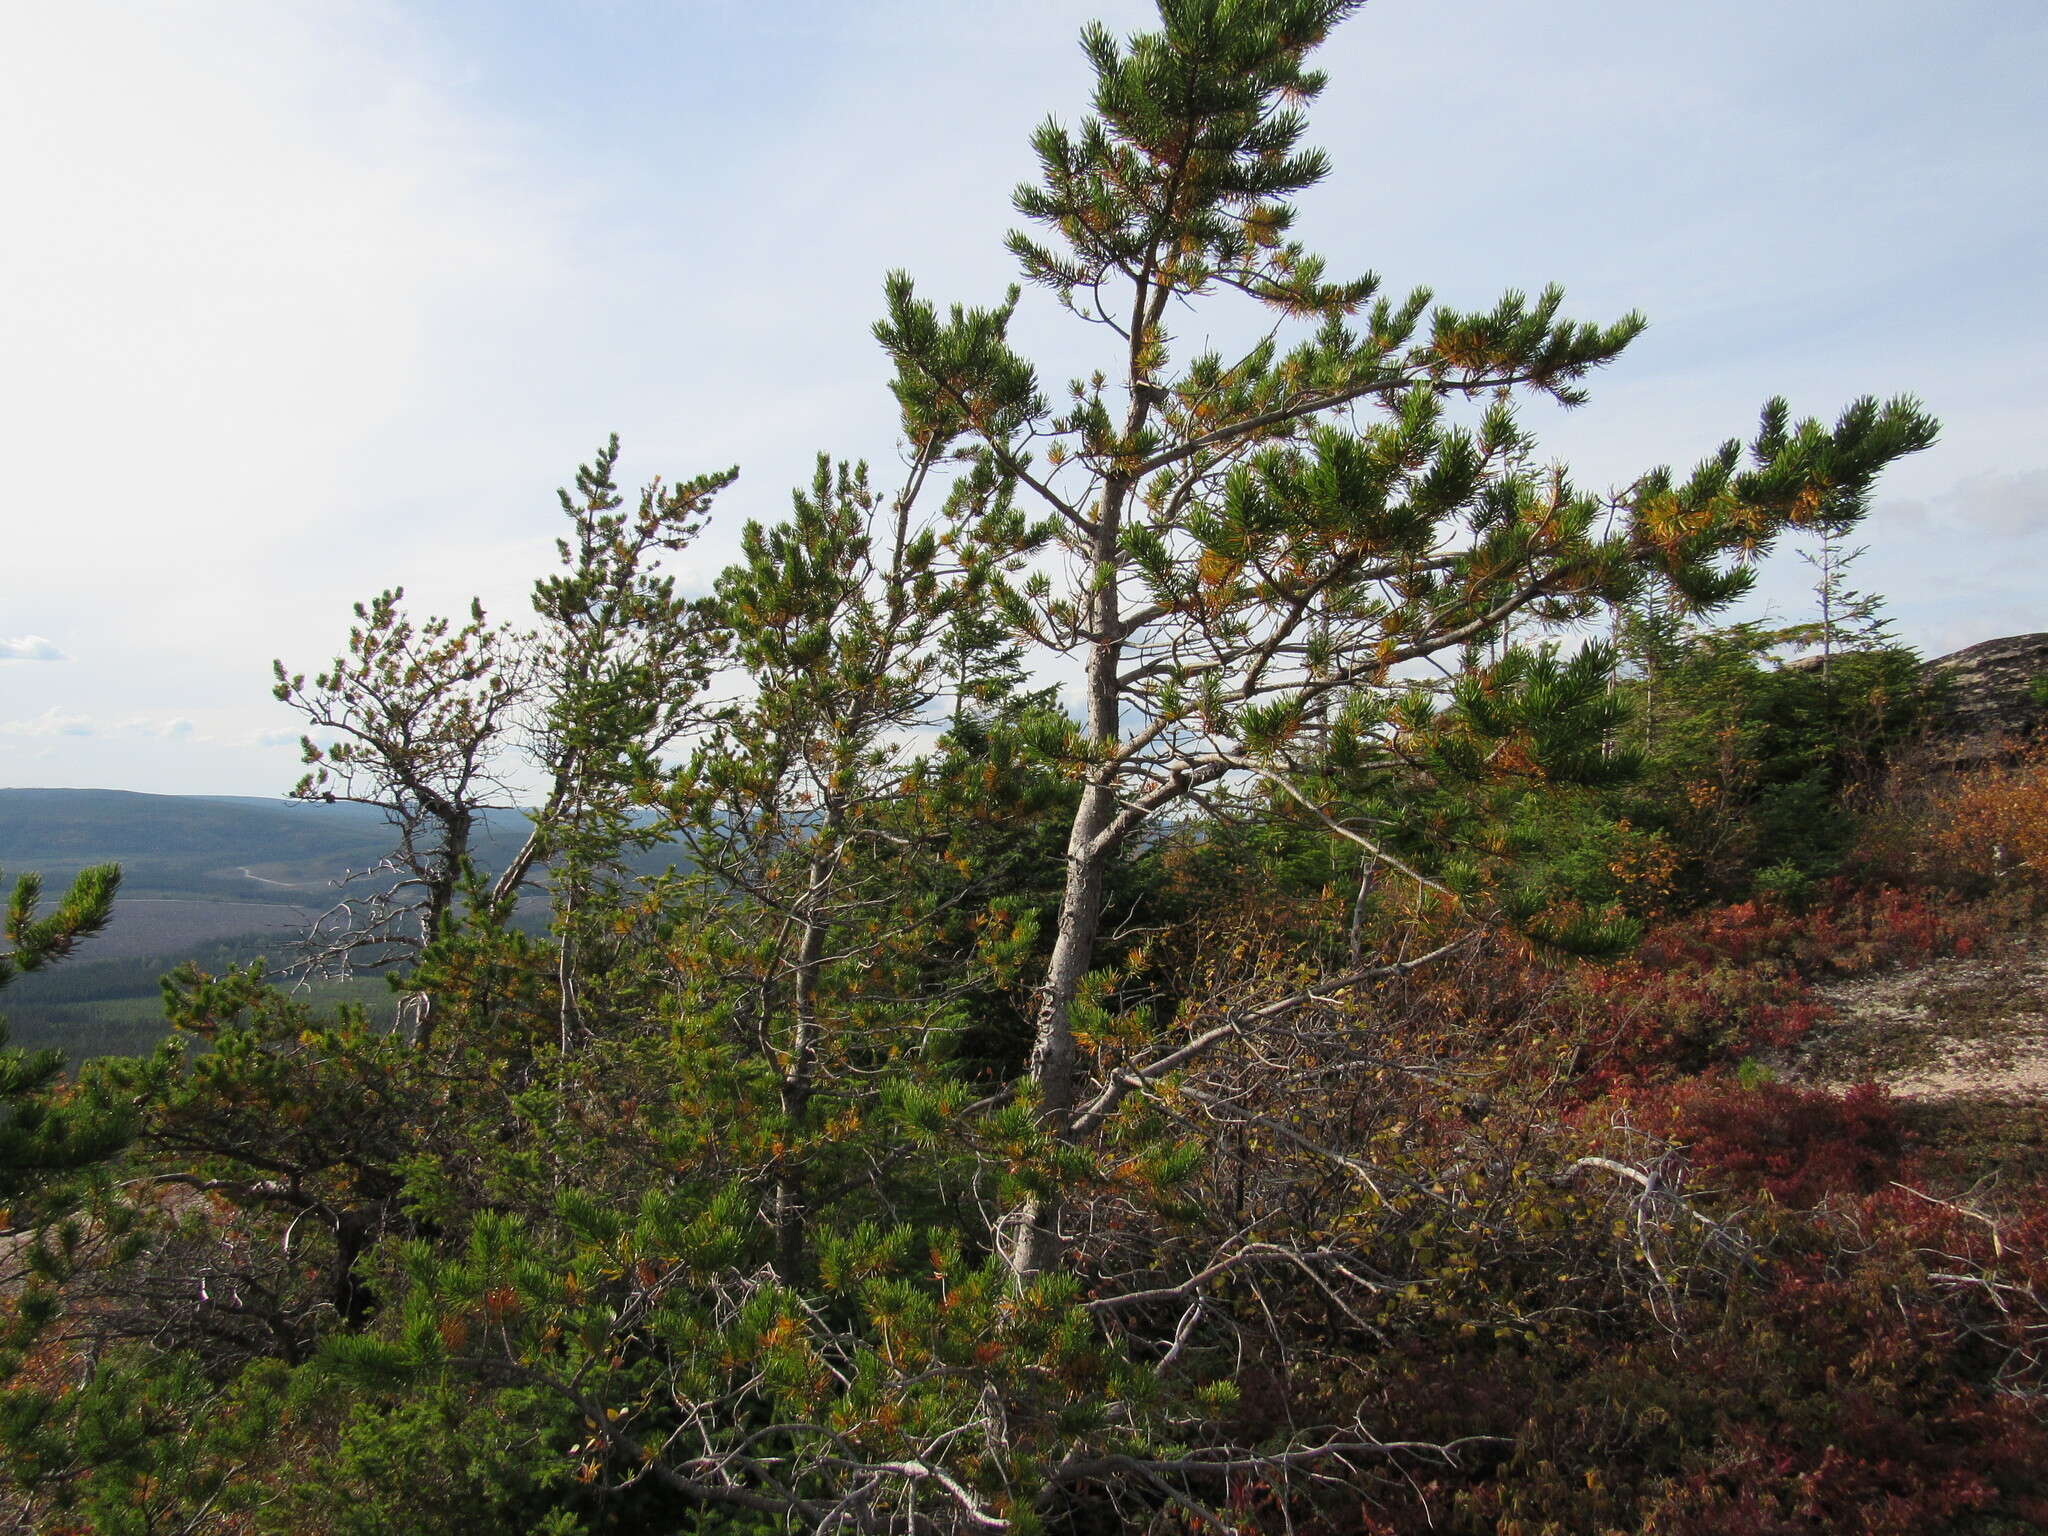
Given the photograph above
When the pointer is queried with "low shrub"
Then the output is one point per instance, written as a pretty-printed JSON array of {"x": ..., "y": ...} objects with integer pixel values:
[
  {"x": 1796, "y": 1145},
  {"x": 1980, "y": 833}
]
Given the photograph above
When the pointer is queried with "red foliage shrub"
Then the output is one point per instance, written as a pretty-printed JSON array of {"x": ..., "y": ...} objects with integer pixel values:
[
  {"x": 1856, "y": 929},
  {"x": 1876, "y": 1370},
  {"x": 1796, "y": 1145},
  {"x": 1717, "y": 985},
  {"x": 1649, "y": 1020},
  {"x": 1861, "y": 1359}
]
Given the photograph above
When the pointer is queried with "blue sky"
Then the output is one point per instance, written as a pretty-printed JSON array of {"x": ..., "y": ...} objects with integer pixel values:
[{"x": 304, "y": 301}]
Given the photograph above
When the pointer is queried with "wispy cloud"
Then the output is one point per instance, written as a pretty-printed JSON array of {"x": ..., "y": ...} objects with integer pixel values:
[
  {"x": 63, "y": 722},
  {"x": 163, "y": 730},
  {"x": 51, "y": 722},
  {"x": 2009, "y": 505},
  {"x": 30, "y": 648},
  {"x": 1999, "y": 505}
]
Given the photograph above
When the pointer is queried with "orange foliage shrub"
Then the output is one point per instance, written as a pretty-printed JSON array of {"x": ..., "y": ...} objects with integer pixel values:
[
  {"x": 1996, "y": 825},
  {"x": 1980, "y": 832}
]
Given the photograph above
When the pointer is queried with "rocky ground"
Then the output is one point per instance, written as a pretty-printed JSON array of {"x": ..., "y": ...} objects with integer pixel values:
[
  {"x": 1959, "y": 1026},
  {"x": 1963, "y": 1043}
]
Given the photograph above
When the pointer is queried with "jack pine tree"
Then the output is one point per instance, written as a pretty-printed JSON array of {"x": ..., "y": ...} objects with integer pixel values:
[
  {"x": 435, "y": 723},
  {"x": 617, "y": 667},
  {"x": 48, "y": 1138},
  {"x": 619, "y": 663},
  {"x": 42, "y": 1139},
  {"x": 833, "y": 617},
  {"x": 1239, "y": 572},
  {"x": 416, "y": 720}
]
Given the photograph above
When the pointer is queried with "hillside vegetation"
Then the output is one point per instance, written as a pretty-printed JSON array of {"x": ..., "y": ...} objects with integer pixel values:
[
  {"x": 218, "y": 848},
  {"x": 1369, "y": 1057},
  {"x": 1634, "y": 1243}
]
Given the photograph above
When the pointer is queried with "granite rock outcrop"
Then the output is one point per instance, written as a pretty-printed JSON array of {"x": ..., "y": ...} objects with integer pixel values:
[{"x": 1991, "y": 697}]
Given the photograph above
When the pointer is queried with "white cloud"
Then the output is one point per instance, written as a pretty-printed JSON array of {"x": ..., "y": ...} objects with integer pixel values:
[
  {"x": 2012, "y": 505},
  {"x": 2000, "y": 505},
  {"x": 175, "y": 729},
  {"x": 56, "y": 721},
  {"x": 51, "y": 722},
  {"x": 30, "y": 648}
]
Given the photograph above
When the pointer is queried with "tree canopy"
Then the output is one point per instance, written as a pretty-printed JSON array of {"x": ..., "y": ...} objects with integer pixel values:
[{"x": 1138, "y": 1023}]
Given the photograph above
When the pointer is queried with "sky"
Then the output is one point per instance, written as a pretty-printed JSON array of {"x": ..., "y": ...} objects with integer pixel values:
[{"x": 303, "y": 301}]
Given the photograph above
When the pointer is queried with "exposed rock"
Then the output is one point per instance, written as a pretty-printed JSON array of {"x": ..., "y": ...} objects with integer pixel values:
[
  {"x": 1988, "y": 701},
  {"x": 1954, "y": 1027}
]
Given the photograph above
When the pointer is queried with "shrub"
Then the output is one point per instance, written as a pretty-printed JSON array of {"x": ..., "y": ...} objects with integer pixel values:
[
  {"x": 1796, "y": 1145},
  {"x": 1978, "y": 833}
]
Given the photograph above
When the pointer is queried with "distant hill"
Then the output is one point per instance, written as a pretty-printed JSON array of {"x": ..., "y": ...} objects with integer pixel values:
[
  {"x": 214, "y": 847},
  {"x": 227, "y": 848},
  {"x": 212, "y": 878}
]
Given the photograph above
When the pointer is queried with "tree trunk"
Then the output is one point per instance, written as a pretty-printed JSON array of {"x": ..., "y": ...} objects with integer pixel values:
[
  {"x": 1038, "y": 1245},
  {"x": 354, "y": 1298},
  {"x": 799, "y": 1072}
]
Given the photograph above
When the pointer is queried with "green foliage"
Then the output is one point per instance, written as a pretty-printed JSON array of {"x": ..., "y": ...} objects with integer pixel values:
[
  {"x": 424, "y": 720},
  {"x": 1183, "y": 1115},
  {"x": 441, "y": 1461},
  {"x": 1751, "y": 770},
  {"x": 46, "y": 1133},
  {"x": 146, "y": 1443},
  {"x": 617, "y": 666}
]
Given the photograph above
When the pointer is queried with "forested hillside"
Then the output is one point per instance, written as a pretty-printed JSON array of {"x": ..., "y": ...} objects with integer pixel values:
[
  {"x": 1235, "y": 951},
  {"x": 217, "y": 880},
  {"x": 225, "y": 848},
  {"x": 224, "y": 880}
]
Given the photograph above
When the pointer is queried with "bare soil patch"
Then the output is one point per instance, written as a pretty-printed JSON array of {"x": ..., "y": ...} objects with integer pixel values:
[{"x": 1968, "y": 1026}]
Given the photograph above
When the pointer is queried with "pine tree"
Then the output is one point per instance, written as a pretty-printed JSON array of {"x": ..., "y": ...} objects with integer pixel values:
[
  {"x": 833, "y": 618},
  {"x": 415, "y": 719},
  {"x": 52, "y": 1139},
  {"x": 44, "y": 1137},
  {"x": 439, "y": 725},
  {"x": 1239, "y": 573},
  {"x": 618, "y": 664}
]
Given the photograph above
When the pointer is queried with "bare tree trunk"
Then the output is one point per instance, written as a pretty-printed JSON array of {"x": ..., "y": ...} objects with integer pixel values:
[
  {"x": 799, "y": 1072},
  {"x": 1038, "y": 1245}
]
